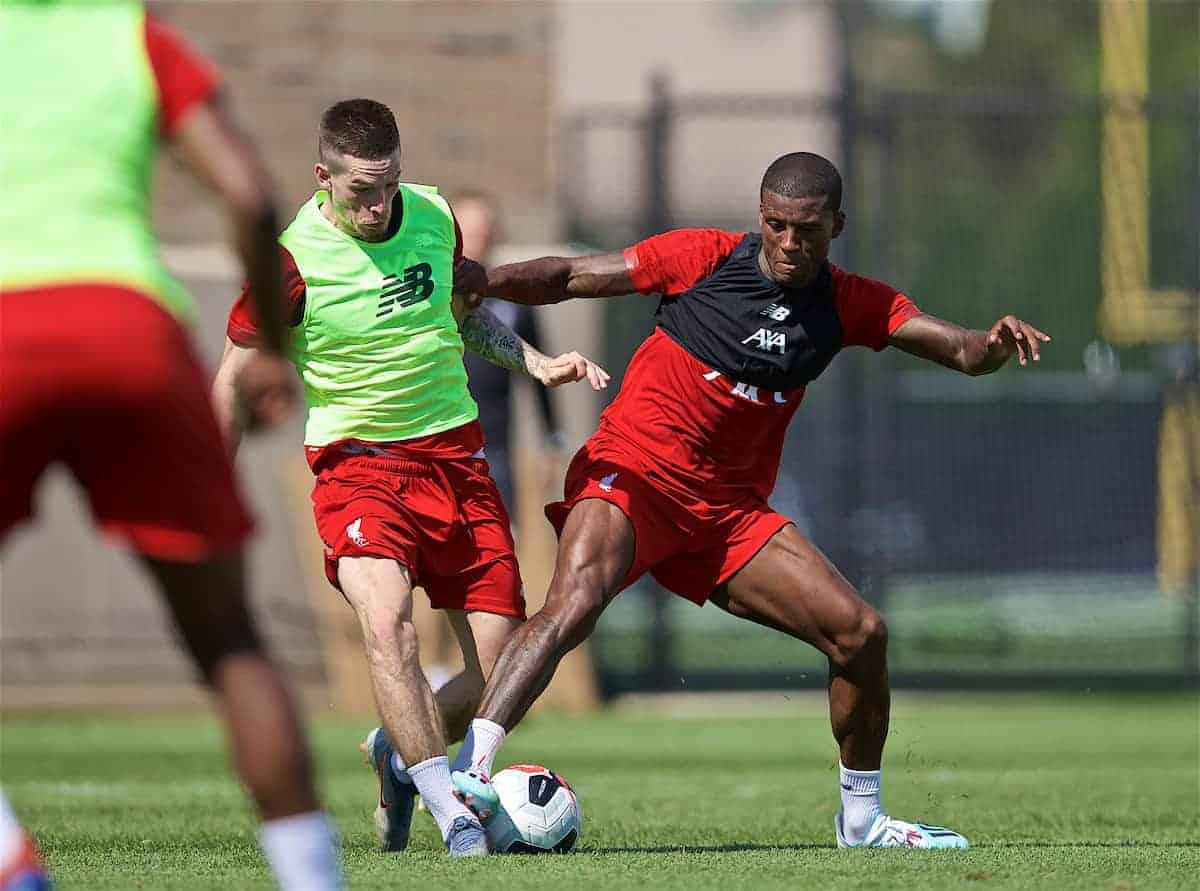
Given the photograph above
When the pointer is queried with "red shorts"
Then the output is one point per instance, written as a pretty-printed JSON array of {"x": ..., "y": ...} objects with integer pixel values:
[
  {"x": 443, "y": 519},
  {"x": 689, "y": 545},
  {"x": 104, "y": 380}
]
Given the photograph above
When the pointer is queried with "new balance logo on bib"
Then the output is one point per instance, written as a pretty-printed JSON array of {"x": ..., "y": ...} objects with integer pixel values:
[{"x": 416, "y": 285}]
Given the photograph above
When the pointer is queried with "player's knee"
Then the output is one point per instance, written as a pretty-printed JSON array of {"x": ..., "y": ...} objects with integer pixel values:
[
  {"x": 867, "y": 639},
  {"x": 208, "y": 603},
  {"x": 389, "y": 636},
  {"x": 406, "y": 642},
  {"x": 212, "y": 650},
  {"x": 579, "y": 619},
  {"x": 872, "y": 631},
  {"x": 573, "y": 611}
]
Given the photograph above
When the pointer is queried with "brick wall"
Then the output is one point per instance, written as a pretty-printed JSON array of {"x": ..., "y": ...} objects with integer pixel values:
[
  {"x": 470, "y": 87},
  {"x": 470, "y": 84}
]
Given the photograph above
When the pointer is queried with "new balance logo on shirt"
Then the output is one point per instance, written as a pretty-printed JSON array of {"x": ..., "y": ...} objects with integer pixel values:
[{"x": 416, "y": 285}]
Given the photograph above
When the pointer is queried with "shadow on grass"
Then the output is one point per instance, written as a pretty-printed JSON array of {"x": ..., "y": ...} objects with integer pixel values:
[
  {"x": 733, "y": 848},
  {"x": 705, "y": 849},
  {"x": 1124, "y": 844}
]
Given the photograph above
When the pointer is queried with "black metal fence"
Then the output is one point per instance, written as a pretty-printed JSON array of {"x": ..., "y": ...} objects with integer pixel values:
[{"x": 1013, "y": 528}]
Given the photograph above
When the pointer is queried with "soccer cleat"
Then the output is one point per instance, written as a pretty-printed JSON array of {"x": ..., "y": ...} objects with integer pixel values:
[
  {"x": 887, "y": 832},
  {"x": 474, "y": 789},
  {"x": 466, "y": 838},
  {"x": 25, "y": 872},
  {"x": 394, "y": 813}
]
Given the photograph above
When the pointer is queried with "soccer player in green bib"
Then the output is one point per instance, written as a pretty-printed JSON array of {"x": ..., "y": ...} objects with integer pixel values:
[
  {"x": 98, "y": 374},
  {"x": 403, "y": 496}
]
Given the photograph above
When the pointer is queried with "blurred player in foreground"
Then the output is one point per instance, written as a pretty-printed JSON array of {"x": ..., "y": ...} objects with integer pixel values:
[
  {"x": 21, "y": 866},
  {"x": 402, "y": 495},
  {"x": 99, "y": 373},
  {"x": 675, "y": 481}
]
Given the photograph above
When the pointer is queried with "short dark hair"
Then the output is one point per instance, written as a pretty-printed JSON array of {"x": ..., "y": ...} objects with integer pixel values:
[
  {"x": 803, "y": 175},
  {"x": 362, "y": 128}
]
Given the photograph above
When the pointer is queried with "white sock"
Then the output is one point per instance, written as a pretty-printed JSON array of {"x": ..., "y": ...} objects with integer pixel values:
[
  {"x": 399, "y": 770},
  {"x": 432, "y": 778},
  {"x": 303, "y": 852},
  {"x": 12, "y": 837},
  {"x": 480, "y": 746},
  {"x": 860, "y": 801}
]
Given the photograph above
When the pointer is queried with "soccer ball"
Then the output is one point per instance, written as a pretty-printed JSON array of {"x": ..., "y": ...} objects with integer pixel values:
[{"x": 539, "y": 814}]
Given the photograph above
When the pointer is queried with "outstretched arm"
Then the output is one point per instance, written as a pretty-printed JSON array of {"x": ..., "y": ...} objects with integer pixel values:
[
  {"x": 254, "y": 388},
  {"x": 486, "y": 335},
  {"x": 971, "y": 352},
  {"x": 555, "y": 279},
  {"x": 215, "y": 149}
]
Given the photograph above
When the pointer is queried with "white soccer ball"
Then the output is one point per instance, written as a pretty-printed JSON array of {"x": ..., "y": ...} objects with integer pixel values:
[{"x": 539, "y": 814}]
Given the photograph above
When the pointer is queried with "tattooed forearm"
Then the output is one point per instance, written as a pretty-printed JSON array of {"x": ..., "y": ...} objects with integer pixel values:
[{"x": 488, "y": 337}]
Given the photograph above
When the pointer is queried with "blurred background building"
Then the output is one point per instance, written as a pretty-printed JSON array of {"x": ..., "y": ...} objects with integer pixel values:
[{"x": 1033, "y": 528}]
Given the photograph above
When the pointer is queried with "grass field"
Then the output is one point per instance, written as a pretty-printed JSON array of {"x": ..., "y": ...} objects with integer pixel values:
[{"x": 1081, "y": 792}]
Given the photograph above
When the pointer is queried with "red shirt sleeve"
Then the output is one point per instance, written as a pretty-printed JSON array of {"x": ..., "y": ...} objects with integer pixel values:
[
  {"x": 184, "y": 77},
  {"x": 870, "y": 311},
  {"x": 674, "y": 261},
  {"x": 242, "y": 327}
]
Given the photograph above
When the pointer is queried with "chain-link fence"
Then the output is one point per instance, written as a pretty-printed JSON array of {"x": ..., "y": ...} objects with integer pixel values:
[{"x": 1030, "y": 528}]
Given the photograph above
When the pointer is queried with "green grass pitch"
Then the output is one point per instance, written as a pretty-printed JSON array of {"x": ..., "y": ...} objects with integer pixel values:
[{"x": 1079, "y": 791}]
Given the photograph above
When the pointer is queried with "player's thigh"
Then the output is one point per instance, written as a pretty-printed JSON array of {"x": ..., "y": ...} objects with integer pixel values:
[
  {"x": 596, "y": 549},
  {"x": 789, "y": 585},
  {"x": 207, "y": 601},
  {"x": 31, "y": 438},
  {"x": 381, "y": 592},
  {"x": 33, "y": 416},
  {"x": 40, "y": 367}
]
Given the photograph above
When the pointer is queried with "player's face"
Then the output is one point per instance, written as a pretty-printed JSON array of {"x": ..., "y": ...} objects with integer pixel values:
[
  {"x": 360, "y": 193},
  {"x": 796, "y": 233}
]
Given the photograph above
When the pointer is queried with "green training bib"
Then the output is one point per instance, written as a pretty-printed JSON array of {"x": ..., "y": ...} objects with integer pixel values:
[
  {"x": 378, "y": 348},
  {"x": 79, "y": 118}
]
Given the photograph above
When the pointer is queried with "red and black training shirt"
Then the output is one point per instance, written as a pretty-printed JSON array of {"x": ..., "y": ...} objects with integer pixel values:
[{"x": 708, "y": 396}]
